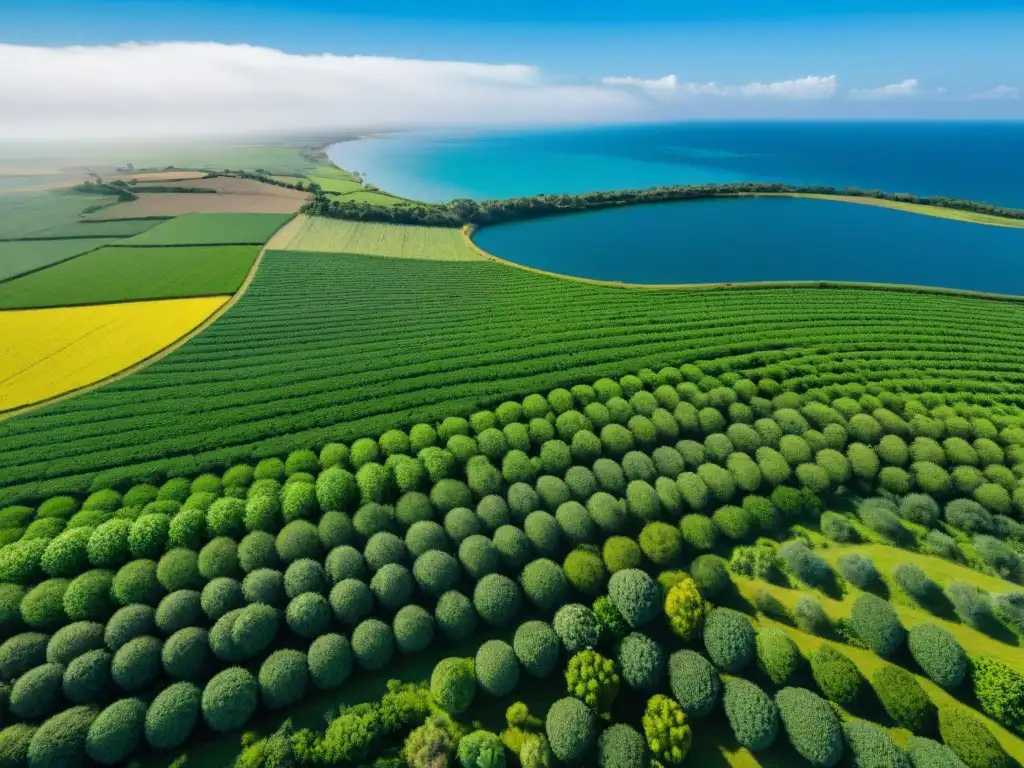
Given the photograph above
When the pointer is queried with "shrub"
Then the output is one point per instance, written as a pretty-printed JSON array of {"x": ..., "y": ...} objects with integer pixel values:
[
  {"x": 859, "y": 570},
  {"x": 60, "y": 741},
  {"x": 496, "y": 668},
  {"x": 479, "y": 556},
  {"x": 576, "y": 524},
  {"x": 710, "y": 575},
  {"x": 297, "y": 540},
  {"x": 609, "y": 477},
  {"x": 373, "y": 644},
  {"x": 87, "y": 678},
  {"x": 1000, "y": 557},
  {"x": 577, "y": 627},
  {"x": 571, "y": 728},
  {"x": 230, "y": 699},
  {"x": 336, "y": 489},
  {"x": 172, "y": 716},
  {"x": 636, "y": 596},
  {"x": 970, "y": 740},
  {"x": 869, "y": 745},
  {"x": 668, "y": 734},
  {"x": 187, "y": 529},
  {"x": 729, "y": 639},
  {"x": 621, "y": 746},
  {"x": 185, "y": 654},
  {"x": 544, "y": 584},
  {"x": 536, "y": 646},
  {"x": 493, "y": 512},
  {"x": 460, "y": 523},
  {"x": 257, "y": 550},
  {"x": 436, "y": 572},
  {"x": 877, "y": 625},
  {"x": 968, "y": 516},
  {"x": 497, "y": 599},
  {"x": 699, "y": 532},
  {"x": 335, "y": 529},
  {"x": 752, "y": 714},
  {"x": 999, "y": 690},
  {"x": 685, "y": 609},
  {"x": 937, "y": 652},
  {"x": 838, "y": 528},
  {"x": 593, "y": 679},
  {"x": 116, "y": 732},
  {"x": 972, "y": 605},
  {"x": 777, "y": 655},
  {"x": 920, "y": 508},
  {"x": 1009, "y": 608},
  {"x": 129, "y": 622},
  {"x": 836, "y": 676},
  {"x": 734, "y": 522},
  {"x": 66, "y": 555},
  {"x": 881, "y": 519},
  {"x": 925, "y": 753},
  {"x": 14, "y": 743},
  {"x": 544, "y": 534},
  {"x": 621, "y": 553},
  {"x": 11, "y": 596},
  {"x": 42, "y": 607},
  {"x": 383, "y": 548},
  {"x": 585, "y": 571},
  {"x": 642, "y": 662},
  {"x": 218, "y": 558},
  {"x": 393, "y": 586},
  {"x": 904, "y": 699},
  {"x": 265, "y": 586},
  {"x": 308, "y": 615},
  {"x": 805, "y": 564},
  {"x": 812, "y": 727},
  {"x": 941, "y": 545},
  {"x": 183, "y": 608},
  {"x": 420, "y": 538},
  {"x": 448, "y": 494},
  {"x": 694, "y": 682},
  {"x": 226, "y": 517},
  {"x": 455, "y": 615},
  {"x": 179, "y": 569},
  {"x": 107, "y": 547},
  {"x": 37, "y": 693},
  {"x": 607, "y": 511},
  {"x": 413, "y": 628},
  {"x": 283, "y": 678},
  {"x": 329, "y": 661}
]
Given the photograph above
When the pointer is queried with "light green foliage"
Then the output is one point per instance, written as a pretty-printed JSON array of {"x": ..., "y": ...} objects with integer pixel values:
[{"x": 669, "y": 735}]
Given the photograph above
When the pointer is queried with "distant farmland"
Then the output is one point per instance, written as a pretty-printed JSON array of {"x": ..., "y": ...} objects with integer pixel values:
[
  {"x": 212, "y": 229},
  {"x": 22, "y": 256},
  {"x": 372, "y": 239}
]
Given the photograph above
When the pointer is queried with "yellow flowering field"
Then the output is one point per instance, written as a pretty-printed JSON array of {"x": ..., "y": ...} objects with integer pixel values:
[{"x": 47, "y": 352}]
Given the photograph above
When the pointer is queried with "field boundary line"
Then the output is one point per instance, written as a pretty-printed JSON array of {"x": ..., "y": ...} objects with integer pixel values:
[
  {"x": 54, "y": 264},
  {"x": 156, "y": 356}
]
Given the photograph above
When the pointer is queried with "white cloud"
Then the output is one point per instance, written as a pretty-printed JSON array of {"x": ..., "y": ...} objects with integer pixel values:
[
  {"x": 908, "y": 87},
  {"x": 810, "y": 87},
  {"x": 998, "y": 93},
  {"x": 666, "y": 83},
  {"x": 158, "y": 89}
]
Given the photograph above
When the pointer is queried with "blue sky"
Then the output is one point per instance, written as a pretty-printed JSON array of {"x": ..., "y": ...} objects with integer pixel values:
[{"x": 858, "y": 58}]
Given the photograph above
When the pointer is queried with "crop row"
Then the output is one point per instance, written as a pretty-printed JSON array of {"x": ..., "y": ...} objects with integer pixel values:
[{"x": 308, "y": 357}]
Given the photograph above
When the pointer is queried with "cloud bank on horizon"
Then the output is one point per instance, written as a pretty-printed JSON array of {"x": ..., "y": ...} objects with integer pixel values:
[{"x": 178, "y": 88}]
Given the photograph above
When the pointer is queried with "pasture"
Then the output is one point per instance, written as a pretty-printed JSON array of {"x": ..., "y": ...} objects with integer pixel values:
[
  {"x": 31, "y": 214},
  {"x": 47, "y": 352},
  {"x": 20, "y": 256},
  {"x": 115, "y": 273},
  {"x": 212, "y": 229},
  {"x": 373, "y": 239}
]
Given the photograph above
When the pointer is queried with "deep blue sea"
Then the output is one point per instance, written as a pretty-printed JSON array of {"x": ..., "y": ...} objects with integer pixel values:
[
  {"x": 978, "y": 161},
  {"x": 753, "y": 239}
]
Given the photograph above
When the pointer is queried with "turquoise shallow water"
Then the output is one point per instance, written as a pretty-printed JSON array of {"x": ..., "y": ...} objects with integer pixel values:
[
  {"x": 754, "y": 239},
  {"x": 978, "y": 161}
]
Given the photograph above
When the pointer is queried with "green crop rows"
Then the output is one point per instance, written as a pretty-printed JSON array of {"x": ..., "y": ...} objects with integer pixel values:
[
  {"x": 213, "y": 229},
  {"x": 18, "y": 257},
  {"x": 326, "y": 348},
  {"x": 151, "y": 604}
]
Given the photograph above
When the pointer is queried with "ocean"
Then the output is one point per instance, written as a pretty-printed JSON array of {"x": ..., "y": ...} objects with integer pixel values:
[{"x": 978, "y": 161}]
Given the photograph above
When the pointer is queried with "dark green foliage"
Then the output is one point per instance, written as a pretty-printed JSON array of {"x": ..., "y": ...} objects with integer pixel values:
[
  {"x": 1004, "y": 561},
  {"x": 265, "y": 586},
  {"x": 904, "y": 699},
  {"x": 10, "y": 608},
  {"x": 925, "y": 753},
  {"x": 729, "y": 639},
  {"x": 493, "y": 512},
  {"x": 938, "y": 653},
  {"x": 71, "y": 641},
  {"x": 734, "y": 522},
  {"x": 711, "y": 576},
  {"x": 373, "y": 644},
  {"x": 136, "y": 664},
  {"x": 218, "y": 558},
  {"x": 536, "y": 646},
  {"x": 812, "y": 727},
  {"x": 14, "y": 743},
  {"x": 258, "y": 550},
  {"x": 220, "y": 596},
  {"x": 699, "y": 532},
  {"x": 421, "y": 537},
  {"x": 413, "y": 629},
  {"x": 571, "y": 728},
  {"x": 137, "y": 583},
  {"x": 972, "y": 605},
  {"x": 436, "y": 572},
  {"x": 836, "y": 675},
  {"x": 543, "y": 531},
  {"x": 496, "y": 668},
  {"x": 512, "y": 546},
  {"x": 453, "y": 684},
  {"x": 187, "y": 529},
  {"x": 447, "y": 494},
  {"x": 576, "y": 524},
  {"x": 871, "y": 747},
  {"x": 87, "y": 678},
  {"x": 1000, "y": 691},
  {"x": 478, "y": 556},
  {"x": 129, "y": 622},
  {"x": 694, "y": 681},
  {"x": 497, "y": 598},
  {"x": 777, "y": 655},
  {"x": 880, "y": 516},
  {"x": 636, "y": 595},
  {"x": 622, "y": 746},
  {"x": 179, "y": 609},
  {"x": 455, "y": 615},
  {"x": 229, "y": 699},
  {"x": 329, "y": 661},
  {"x": 859, "y": 570},
  {"x": 185, "y": 654},
  {"x": 60, "y": 741},
  {"x": 877, "y": 625},
  {"x": 299, "y": 539},
  {"x": 838, "y": 528},
  {"x": 544, "y": 584},
  {"x": 970, "y": 740},
  {"x": 920, "y": 508},
  {"x": 42, "y": 607},
  {"x": 179, "y": 569},
  {"x": 283, "y": 678},
  {"x": 305, "y": 576},
  {"x": 392, "y": 586},
  {"x": 577, "y": 627},
  {"x": 641, "y": 661},
  {"x": 352, "y": 601},
  {"x": 116, "y": 731},
  {"x": 66, "y": 555},
  {"x": 37, "y": 693},
  {"x": 752, "y": 714},
  {"x": 461, "y": 523},
  {"x": 968, "y": 516},
  {"x": 609, "y": 476},
  {"x": 172, "y": 716},
  {"x": 107, "y": 547},
  {"x": 309, "y": 615},
  {"x": 335, "y": 529},
  {"x": 345, "y": 562}
]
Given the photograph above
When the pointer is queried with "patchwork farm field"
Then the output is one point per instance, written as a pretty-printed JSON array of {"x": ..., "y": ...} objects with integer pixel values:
[
  {"x": 372, "y": 239},
  {"x": 85, "y": 229},
  {"x": 33, "y": 214},
  {"x": 168, "y": 204},
  {"x": 20, "y": 256},
  {"x": 212, "y": 229},
  {"x": 401, "y": 506},
  {"x": 47, "y": 352},
  {"x": 129, "y": 274}
]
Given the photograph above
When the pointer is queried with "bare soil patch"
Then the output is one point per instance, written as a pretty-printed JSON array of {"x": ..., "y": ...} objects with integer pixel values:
[{"x": 177, "y": 204}]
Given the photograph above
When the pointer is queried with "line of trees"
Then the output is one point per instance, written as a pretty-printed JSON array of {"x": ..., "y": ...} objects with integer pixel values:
[{"x": 463, "y": 211}]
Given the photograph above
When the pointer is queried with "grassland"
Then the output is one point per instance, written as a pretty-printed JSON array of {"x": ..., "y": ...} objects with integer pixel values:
[
  {"x": 20, "y": 256},
  {"x": 32, "y": 214},
  {"x": 130, "y": 274},
  {"x": 969, "y": 217},
  {"x": 324, "y": 347},
  {"x": 212, "y": 229},
  {"x": 371, "y": 239},
  {"x": 47, "y": 352}
]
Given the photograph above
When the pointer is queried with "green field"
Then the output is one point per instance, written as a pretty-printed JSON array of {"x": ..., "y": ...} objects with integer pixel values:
[
  {"x": 125, "y": 228},
  {"x": 32, "y": 214},
  {"x": 213, "y": 229},
  {"x": 19, "y": 256},
  {"x": 131, "y": 274},
  {"x": 372, "y": 239}
]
